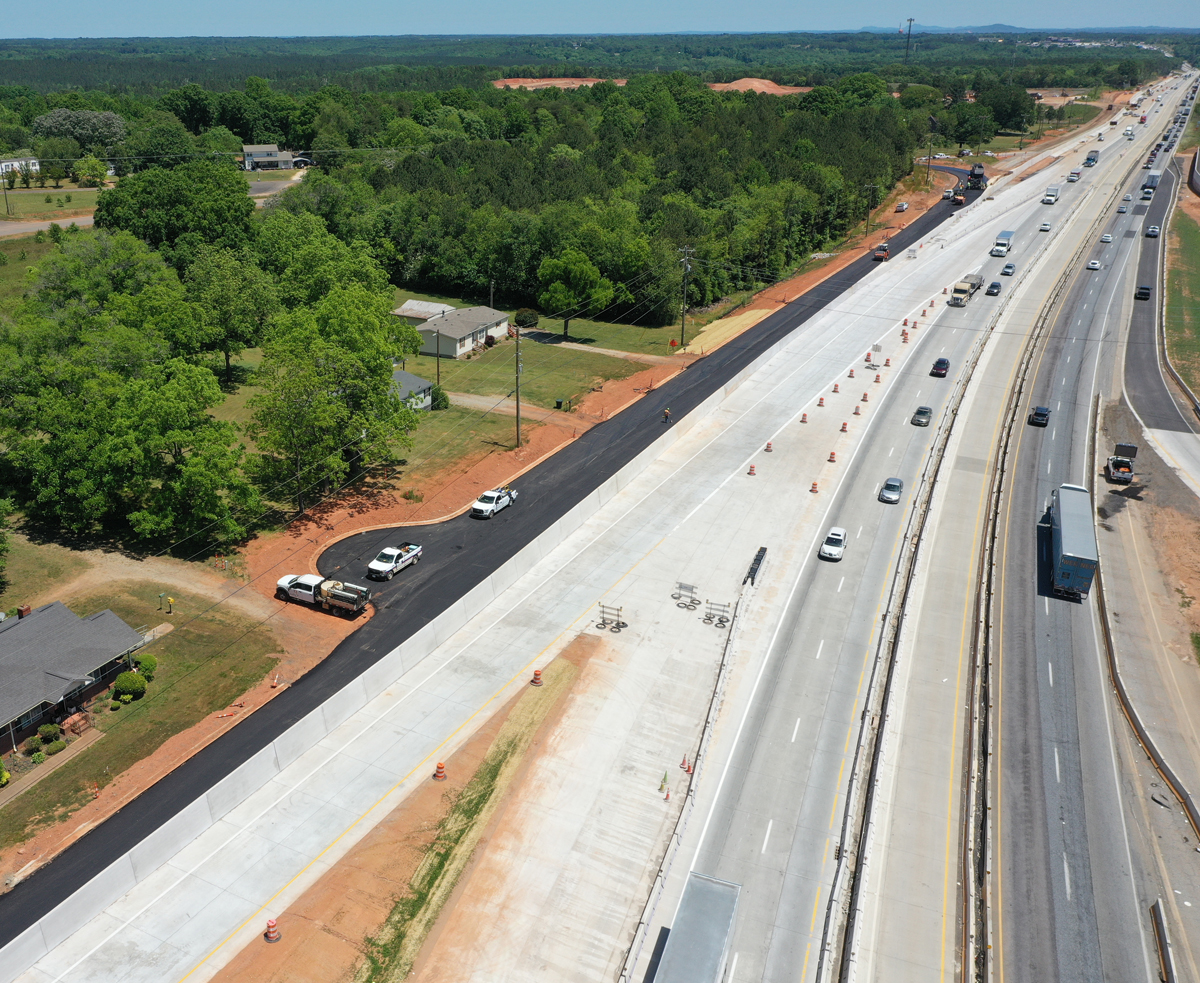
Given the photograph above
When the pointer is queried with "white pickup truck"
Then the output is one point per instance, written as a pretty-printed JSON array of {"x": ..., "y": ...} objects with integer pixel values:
[
  {"x": 392, "y": 559},
  {"x": 491, "y": 502},
  {"x": 328, "y": 594}
]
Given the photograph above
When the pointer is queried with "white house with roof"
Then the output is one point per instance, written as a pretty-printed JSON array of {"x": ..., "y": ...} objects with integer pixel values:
[
  {"x": 456, "y": 332},
  {"x": 265, "y": 157}
]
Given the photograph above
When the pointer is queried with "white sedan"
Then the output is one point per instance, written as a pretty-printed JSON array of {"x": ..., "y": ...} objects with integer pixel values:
[
  {"x": 1106, "y": 238},
  {"x": 834, "y": 546},
  {"x": 1094, "y": 265}
]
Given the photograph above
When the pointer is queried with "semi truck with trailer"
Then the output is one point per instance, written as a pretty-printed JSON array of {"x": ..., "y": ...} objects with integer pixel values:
[
  {"x": 1150, "y": 184},
  {"x": 964, "y": 289},
  {"x": 1093, "y": 158},
  {"x": 1004, "y": 243},
  {"x": 1073, "y": 553}
]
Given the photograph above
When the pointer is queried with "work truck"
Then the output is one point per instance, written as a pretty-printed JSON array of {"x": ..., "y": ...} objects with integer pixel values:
[
  {"x": 330, "y": 595},
  {"x": 1093, "y": 158},
  {"x": 1119, "y": 468},
  {"x": 1073, "y": 553},
  {"x": 959, "y": 197},
  {"x": 1051, "y": 195},
  {"x": 882, "y": 252},
  {"x": 491, "y": 502},
  {"x": 392, "y": 559},
  {"x": 1150, "y": 183},
  {"x": 1075, "y": 175},
  {"x": 1004, "y": 243},
  {"x": 977, "y": 179},
  {"x": 964, "y": 289}
]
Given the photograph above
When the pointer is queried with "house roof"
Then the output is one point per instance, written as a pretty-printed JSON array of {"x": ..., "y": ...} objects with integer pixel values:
[
  {"x": 260, "y": 148},
  {"x": 464, "y": 321},
  {"x": 407, "y": 383},
  {"x": 422, "y": 310},
  {"x": 50, "y": 650}
]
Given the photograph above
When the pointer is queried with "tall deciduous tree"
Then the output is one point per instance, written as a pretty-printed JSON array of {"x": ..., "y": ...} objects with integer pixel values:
[
  {"x": 235, "y": 299},
  {"x": 572, "y": 287}
]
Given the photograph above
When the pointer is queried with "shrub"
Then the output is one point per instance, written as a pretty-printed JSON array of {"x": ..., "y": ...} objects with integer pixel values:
[
  {"x": 39, "y": 236},
  {"x": 68, "y": 197},
  {"x": 126, "y": 698},
  {"x": 526, "y": 318},
  {"x": 114, "y": 706},
  {"x": 147, "y": 667},
  {"x": 38, "y": 758},
  {"x": 55, "y": 747},
  {"x": 438, "y": 399},
  {"x": 4, "y": 775},
  {"x": 3, "y": 259},
  {"x": 49, "y": 732},
  {"x": 33, "y": 745},
  {"x": 129, "y": 684},
  {"x": 49, "y": 198}
]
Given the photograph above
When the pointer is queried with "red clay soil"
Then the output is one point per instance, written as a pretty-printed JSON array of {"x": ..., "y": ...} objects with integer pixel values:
[
  {"x": 323, "y": 931},
  {"x": 765, "y": 86},
  {"x": 561, "y": 83}
]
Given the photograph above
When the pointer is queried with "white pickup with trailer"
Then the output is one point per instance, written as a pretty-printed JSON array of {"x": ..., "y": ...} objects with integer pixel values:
[
  {"x": 964, "y": 289},
  {"x": 1004, "y": 243},
  {"x": 1051, "y": 195},
  {"x": 331, "y": 595},
  {"x": 392, "y": 559}
]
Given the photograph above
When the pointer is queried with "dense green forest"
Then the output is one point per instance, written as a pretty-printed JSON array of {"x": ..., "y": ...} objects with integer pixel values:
[
  {"x": 576, "y": 203},
  {"x": 150, "y": 66}
]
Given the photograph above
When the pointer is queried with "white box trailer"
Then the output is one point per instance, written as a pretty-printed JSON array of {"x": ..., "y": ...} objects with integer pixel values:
[{"x": 697, "y": 948}]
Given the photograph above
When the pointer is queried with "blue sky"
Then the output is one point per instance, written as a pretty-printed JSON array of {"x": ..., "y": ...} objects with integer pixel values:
[{"x": 239, "y": 18}]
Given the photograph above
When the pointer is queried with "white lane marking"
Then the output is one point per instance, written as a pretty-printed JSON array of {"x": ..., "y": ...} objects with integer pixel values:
[
  {"x": 796, "y": 730},
  {"x": 771, "y": 822},
  {"x": 943, "y": 347},
  {"x": 1053, "y": 432},
  {"x": 1068, "y": 359},
  {"x": 820, "y": 647},
  {"x": 1067, "y": 875},
  {"x": 733, "y": 966},
  {"x": 1047, "y": 467},
  {"x": 918, "y": 394},
  {"x": 860, "y": 529},
  {"x": 1057, "y": 773},
  {"x": 1050, "y": 666},
  {"x": 840, "y": 582},
  {"x": 1059, "y": 406},
  {"x": 1064, "y": 382},
  {"x": 890, "y": 452},
  {"x": 1047, "y": 600}
]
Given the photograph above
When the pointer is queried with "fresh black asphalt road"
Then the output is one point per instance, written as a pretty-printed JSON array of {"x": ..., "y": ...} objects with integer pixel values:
[
  {"x": 458, "y": 555},
  {"x": 1145, "y": 386}
]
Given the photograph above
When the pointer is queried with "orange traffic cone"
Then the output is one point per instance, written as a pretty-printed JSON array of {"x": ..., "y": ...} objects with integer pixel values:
[
  {"x": 835, "y": 387},
  {"x": 440, "y": 774},
  {"x": 856, "y": 412},
  {"x": 851, "y": 373},
  {"x": 887, "y": 363},
  {"x": 944, "y": 290},
  {"x": 843, "y": 426},
  {"x": 821, "y": 401},
  {"x": 804, "y": 418},
  {"x": 537, "y": 678},
  {"x": 814, "y": 488},
  {"x": 272, "y": 932},
  {"x": 751, "y": 471},
  {"x": 904, "y": 336},
  {"x": 833, "y": 457},
  {"x": 878, "y": 377},
  {"x": 769, "y": 448},
  {"x": 864, "y": 399},
  {"x": 906, "y": 322}
]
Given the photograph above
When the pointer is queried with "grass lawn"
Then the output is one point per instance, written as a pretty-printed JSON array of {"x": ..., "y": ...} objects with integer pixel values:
[
  {"x": 206, "y": 662},
  {"x": 458, "y": 436},
  {"x": 34, "y": 567},
  {"x": 403, "y": 294},
  {"x": 550, "y": 372},
  {"x": 621, "y": 337},
  {"x": 32, "y": 204},
  {"x": 20, "y": 255},
  {"x": 1191, "y": 136},
  {"x": 1183, "y": 298}
]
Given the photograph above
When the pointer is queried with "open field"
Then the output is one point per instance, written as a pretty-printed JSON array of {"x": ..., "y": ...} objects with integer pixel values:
[
  {"x": 33, "y": 568},
  {"x": 211, "y": 658},
  {"x": 550, "y": 372},
  {"x": 32, "y": 204}
]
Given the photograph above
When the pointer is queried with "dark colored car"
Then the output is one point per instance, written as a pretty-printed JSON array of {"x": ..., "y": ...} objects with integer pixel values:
[
  {"x": 940, "y": 367},
  {"x": 993, "y": 288},
  {"x": 1040, "y": 416},
  {"x": 1143, "y": 293}
]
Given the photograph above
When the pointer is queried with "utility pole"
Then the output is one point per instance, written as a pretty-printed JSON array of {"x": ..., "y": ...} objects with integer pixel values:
[
  {"x": 869, "y": 187},
  {"x": 517, "y": 328},
  {"x": 492, "y": 294},
  {"x": 908, "y": 40},
  {"x": 685, "y": 258}
]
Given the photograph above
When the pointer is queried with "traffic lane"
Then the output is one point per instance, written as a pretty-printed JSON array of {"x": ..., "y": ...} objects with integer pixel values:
[
  {"x": 814, "y": 685},
  {"x": 554, "y": 486},
  {"x": 1145, "y": 387}
]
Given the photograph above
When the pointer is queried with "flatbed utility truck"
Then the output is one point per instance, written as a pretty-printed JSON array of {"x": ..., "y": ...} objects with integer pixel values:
[
  {"x": 330, "y": 595},
  {"x": 964, "y": 289}
]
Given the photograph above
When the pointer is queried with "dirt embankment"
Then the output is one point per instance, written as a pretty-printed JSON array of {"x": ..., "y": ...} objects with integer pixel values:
[
  {"x": 555, "y": 83},
  {"x": 387, "y": 895}
]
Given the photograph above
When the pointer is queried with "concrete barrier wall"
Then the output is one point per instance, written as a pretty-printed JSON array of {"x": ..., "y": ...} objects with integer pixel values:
[
  {"x": 1194, "y": 174},
  {"x": 147, "y": 857}
]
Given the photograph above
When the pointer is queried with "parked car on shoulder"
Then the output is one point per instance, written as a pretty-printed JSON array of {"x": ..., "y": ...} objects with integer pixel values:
[
  {"x": 392, "y": 559},
  {"x": 491, "y": 502}
]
